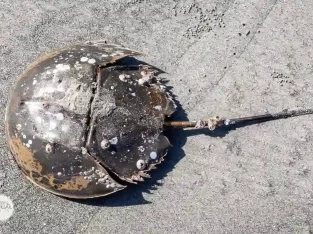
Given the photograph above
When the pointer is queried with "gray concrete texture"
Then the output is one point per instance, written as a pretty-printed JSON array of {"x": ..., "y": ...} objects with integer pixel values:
[{"x": 226, "y": 57}]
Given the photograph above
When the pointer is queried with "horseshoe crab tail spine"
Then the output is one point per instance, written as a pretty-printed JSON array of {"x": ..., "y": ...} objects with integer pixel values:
[{"x": 216, "y": 122}]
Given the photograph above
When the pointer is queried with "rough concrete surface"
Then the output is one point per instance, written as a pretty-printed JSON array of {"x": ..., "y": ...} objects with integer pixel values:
[{"x": 226, "y": 57}]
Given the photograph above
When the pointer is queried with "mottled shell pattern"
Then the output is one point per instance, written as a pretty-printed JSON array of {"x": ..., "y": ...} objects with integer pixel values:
[{"x": 80, "y": 125}]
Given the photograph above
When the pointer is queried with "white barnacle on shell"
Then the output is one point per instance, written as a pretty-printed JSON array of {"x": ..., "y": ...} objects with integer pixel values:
[
  {"x": 227, "y": 122},
  {"x": 140, "y": 164},
  {"x": 141, "y": 81},
  {"x": 122, "y": 77},
  {"x": 101, "y": 180},
  {"x": 34, "y": 82},
  {"x": 91, "y": 61},
  {"x": 145, "y": 79},
  {"x": 83, "y": 59},
  {"x": 105, "y": 144},
  {"x": 18, "y": 127},
  {"x": 48, "y": 148},
  {"x": 114, "y": 141},
  {"x": 84, "y": 150},
  {"x": 62, "y": 67},
  {"x": 141, "y": 148},
  {"x": 78, "y": 66},
  {"x": 153, "y": 155},
  {"x": 158, "y": 107}
]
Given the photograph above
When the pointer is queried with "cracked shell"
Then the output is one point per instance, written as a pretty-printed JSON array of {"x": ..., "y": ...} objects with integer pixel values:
[{"x": 80, "y": 125}]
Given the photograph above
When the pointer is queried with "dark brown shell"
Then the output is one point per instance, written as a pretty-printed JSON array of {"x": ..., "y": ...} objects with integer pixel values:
[{"x": 75, "y": 118}]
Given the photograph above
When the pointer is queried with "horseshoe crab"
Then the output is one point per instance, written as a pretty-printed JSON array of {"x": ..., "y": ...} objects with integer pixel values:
[{"x": 80, "y": 125}]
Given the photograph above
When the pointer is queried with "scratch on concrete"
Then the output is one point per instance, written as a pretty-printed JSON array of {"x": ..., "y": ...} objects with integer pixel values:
[{"x": 85, "y": 227}]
